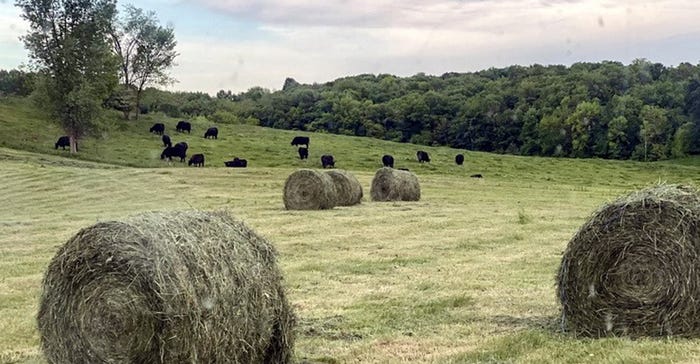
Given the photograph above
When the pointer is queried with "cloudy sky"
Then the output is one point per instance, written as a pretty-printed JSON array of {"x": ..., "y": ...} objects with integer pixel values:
[{"x": 234, "y": 44}]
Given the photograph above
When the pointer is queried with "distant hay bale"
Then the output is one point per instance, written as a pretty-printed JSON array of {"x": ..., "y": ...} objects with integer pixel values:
[
  {"x": 307, "y": 189},
  {"x": 634, "y": 268},
  {"x": 391, "y": 184},
  {"x": 176, "y": 287},
  {"x": 348, "y": 190}
]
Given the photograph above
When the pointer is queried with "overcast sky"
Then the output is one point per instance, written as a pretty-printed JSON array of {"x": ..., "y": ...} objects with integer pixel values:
[{"x": 235, "y": 45}]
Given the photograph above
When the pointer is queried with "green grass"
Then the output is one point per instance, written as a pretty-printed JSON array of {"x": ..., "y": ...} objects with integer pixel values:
[{"x": 466, "y": 275}]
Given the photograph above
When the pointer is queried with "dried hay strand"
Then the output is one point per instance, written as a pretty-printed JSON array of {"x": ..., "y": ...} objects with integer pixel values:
[
  {"x": 175, "y": 287},
  {"x": 348, "y": 190},
  {"x": 633, "y": 269},
  {"x": 307, "y": 189},
  {"x": 391, "y": 184}
]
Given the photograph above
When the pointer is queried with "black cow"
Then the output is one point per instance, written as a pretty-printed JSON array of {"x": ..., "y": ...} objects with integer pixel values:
[
  {"x": 212, "y": 132},
  {"x": 157, "y": 128},
  {"x": 327, "y": 161},
  {"x": 236, "y": 163},
  {"x": 177, "y": 150},
  {"x": 63, "y": 142},
  {"x": 197, "y": 160},
  {"x": 183, "y": 126},
  {"x": 478, "y": 175},
  {"x": 300, "y": 140},
  {"x": 404, "y": 169},
  {"x": 422, "y": 156},
  {"x": 166, "y": 141},
  {"x": 303, "y": 153},
  {"x": 459, "y": 159},
  {"x": 388, "y": 161}
]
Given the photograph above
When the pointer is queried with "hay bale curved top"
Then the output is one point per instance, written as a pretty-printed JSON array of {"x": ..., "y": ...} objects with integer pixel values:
[
  {"x": 177, "y": 287},
  {"x": 391, "y": 184},
  {"x": 348, "y": 190},
  {"x": 307, "y": 189},
  {"x": 633, "y": 268}
]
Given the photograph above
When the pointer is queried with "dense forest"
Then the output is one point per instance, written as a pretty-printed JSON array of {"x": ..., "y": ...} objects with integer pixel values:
[{"x": 643, "y": 111}]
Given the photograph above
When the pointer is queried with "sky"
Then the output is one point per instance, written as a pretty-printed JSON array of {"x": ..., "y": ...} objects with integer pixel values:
[{"x": 235, "y": 44}]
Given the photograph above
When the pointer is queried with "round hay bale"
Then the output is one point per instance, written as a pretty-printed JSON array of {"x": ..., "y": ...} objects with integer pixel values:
[
  {"x": 176, "y": 287},
  {"x": 348, "y": 190},
  {"x": 391, "y": 184},
  {"x": 307, "y": 189},
  {"x": 633, "y": 269}
]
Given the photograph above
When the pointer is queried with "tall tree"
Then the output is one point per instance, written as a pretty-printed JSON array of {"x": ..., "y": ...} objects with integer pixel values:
[
  {"x": 69, "y": 45},
  {"x": 146, "y": 51},
  {"x": 655, "y": 133}
]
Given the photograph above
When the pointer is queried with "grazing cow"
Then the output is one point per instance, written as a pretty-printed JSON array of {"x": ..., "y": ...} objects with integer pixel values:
[
  {"x": 177, "y": 150},
  {"x": 183, "y": 126},
  {"x": 303, "y": 153},
  {"x": 197, "y": 160},
  {"x": 478, "y": 175},
  {"x": 300, "y": 140},
  {"x": 422, "y": 156},
  {"x": 459, "y": 159},
  {"x": 212, "y": 132},
  {"x": 388, "y": 161},
  {"x": 158, "y": 128},
  {"x": 166, "y": 141},
  {"x": 236, "y": 163},
  {"x": 63, "y": 142},
  {"x": 327, "y": 161}
]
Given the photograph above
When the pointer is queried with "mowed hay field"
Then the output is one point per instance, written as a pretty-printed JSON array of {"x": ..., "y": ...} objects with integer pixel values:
[{"x": 466, "y": 274}]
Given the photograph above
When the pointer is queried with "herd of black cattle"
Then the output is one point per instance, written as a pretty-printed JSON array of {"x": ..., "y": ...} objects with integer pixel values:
[{"x": 197, "y": 160}]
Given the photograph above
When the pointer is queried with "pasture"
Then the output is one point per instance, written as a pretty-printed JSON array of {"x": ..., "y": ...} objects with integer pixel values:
[{"x": 465, "y": 275}]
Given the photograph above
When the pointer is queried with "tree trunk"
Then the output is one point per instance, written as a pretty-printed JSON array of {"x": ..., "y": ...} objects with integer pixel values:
[
  {"x": 73, "y": 143},
  {"x": 138, "y": 103}
]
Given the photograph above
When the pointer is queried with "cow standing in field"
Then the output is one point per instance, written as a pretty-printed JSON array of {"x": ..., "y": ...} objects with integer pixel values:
[
  {"x": 327, "y": 161},
  {"x": 183, "y": 126},
  {"x": 236, "y": 163},
  {"x": 166, "y": 140},
  {"x": 300, "y": 140},
  {"x": 62, "y": 142},
  {"x": 212, "y": 132},
  {"x": 177, "y": 150},
  {"x": 459, "y": 159},
  {"x": 158, "y": 128},
  {"x": 303, "y": 153},
  {"x": 388, "y": 161},
  {"x": 422, "y": 156},
  {"x": 197, "y": 160}
]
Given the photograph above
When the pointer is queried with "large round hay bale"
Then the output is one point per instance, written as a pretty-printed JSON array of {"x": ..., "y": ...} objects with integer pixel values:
[
  {"x": 307, "y": 189},
  {"x": 634, "y": 269},
  {"x": 391, "y": 184},
  {"x": 177, "y": 287},
  {"x": 348, "y": 190}
]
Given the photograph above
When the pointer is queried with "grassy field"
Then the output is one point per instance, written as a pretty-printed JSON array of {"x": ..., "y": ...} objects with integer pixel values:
[{"x": 466, "y": 275}]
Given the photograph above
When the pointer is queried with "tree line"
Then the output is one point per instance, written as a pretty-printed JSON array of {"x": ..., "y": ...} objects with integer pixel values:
[{"x": 643, "y": 111}]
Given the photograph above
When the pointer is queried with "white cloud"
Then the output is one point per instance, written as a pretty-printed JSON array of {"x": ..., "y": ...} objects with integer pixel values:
[{"x": 12, "y": 51}]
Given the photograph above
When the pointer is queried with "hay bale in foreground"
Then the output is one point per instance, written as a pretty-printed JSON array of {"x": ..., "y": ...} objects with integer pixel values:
[
  {"x": 348, "y": 190},
  {"x": 307, "y": 189},
  {"x": 634, "y": 269},
  {"x": 177, "y": 287},
  {"x": 391, "y": 184}
]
